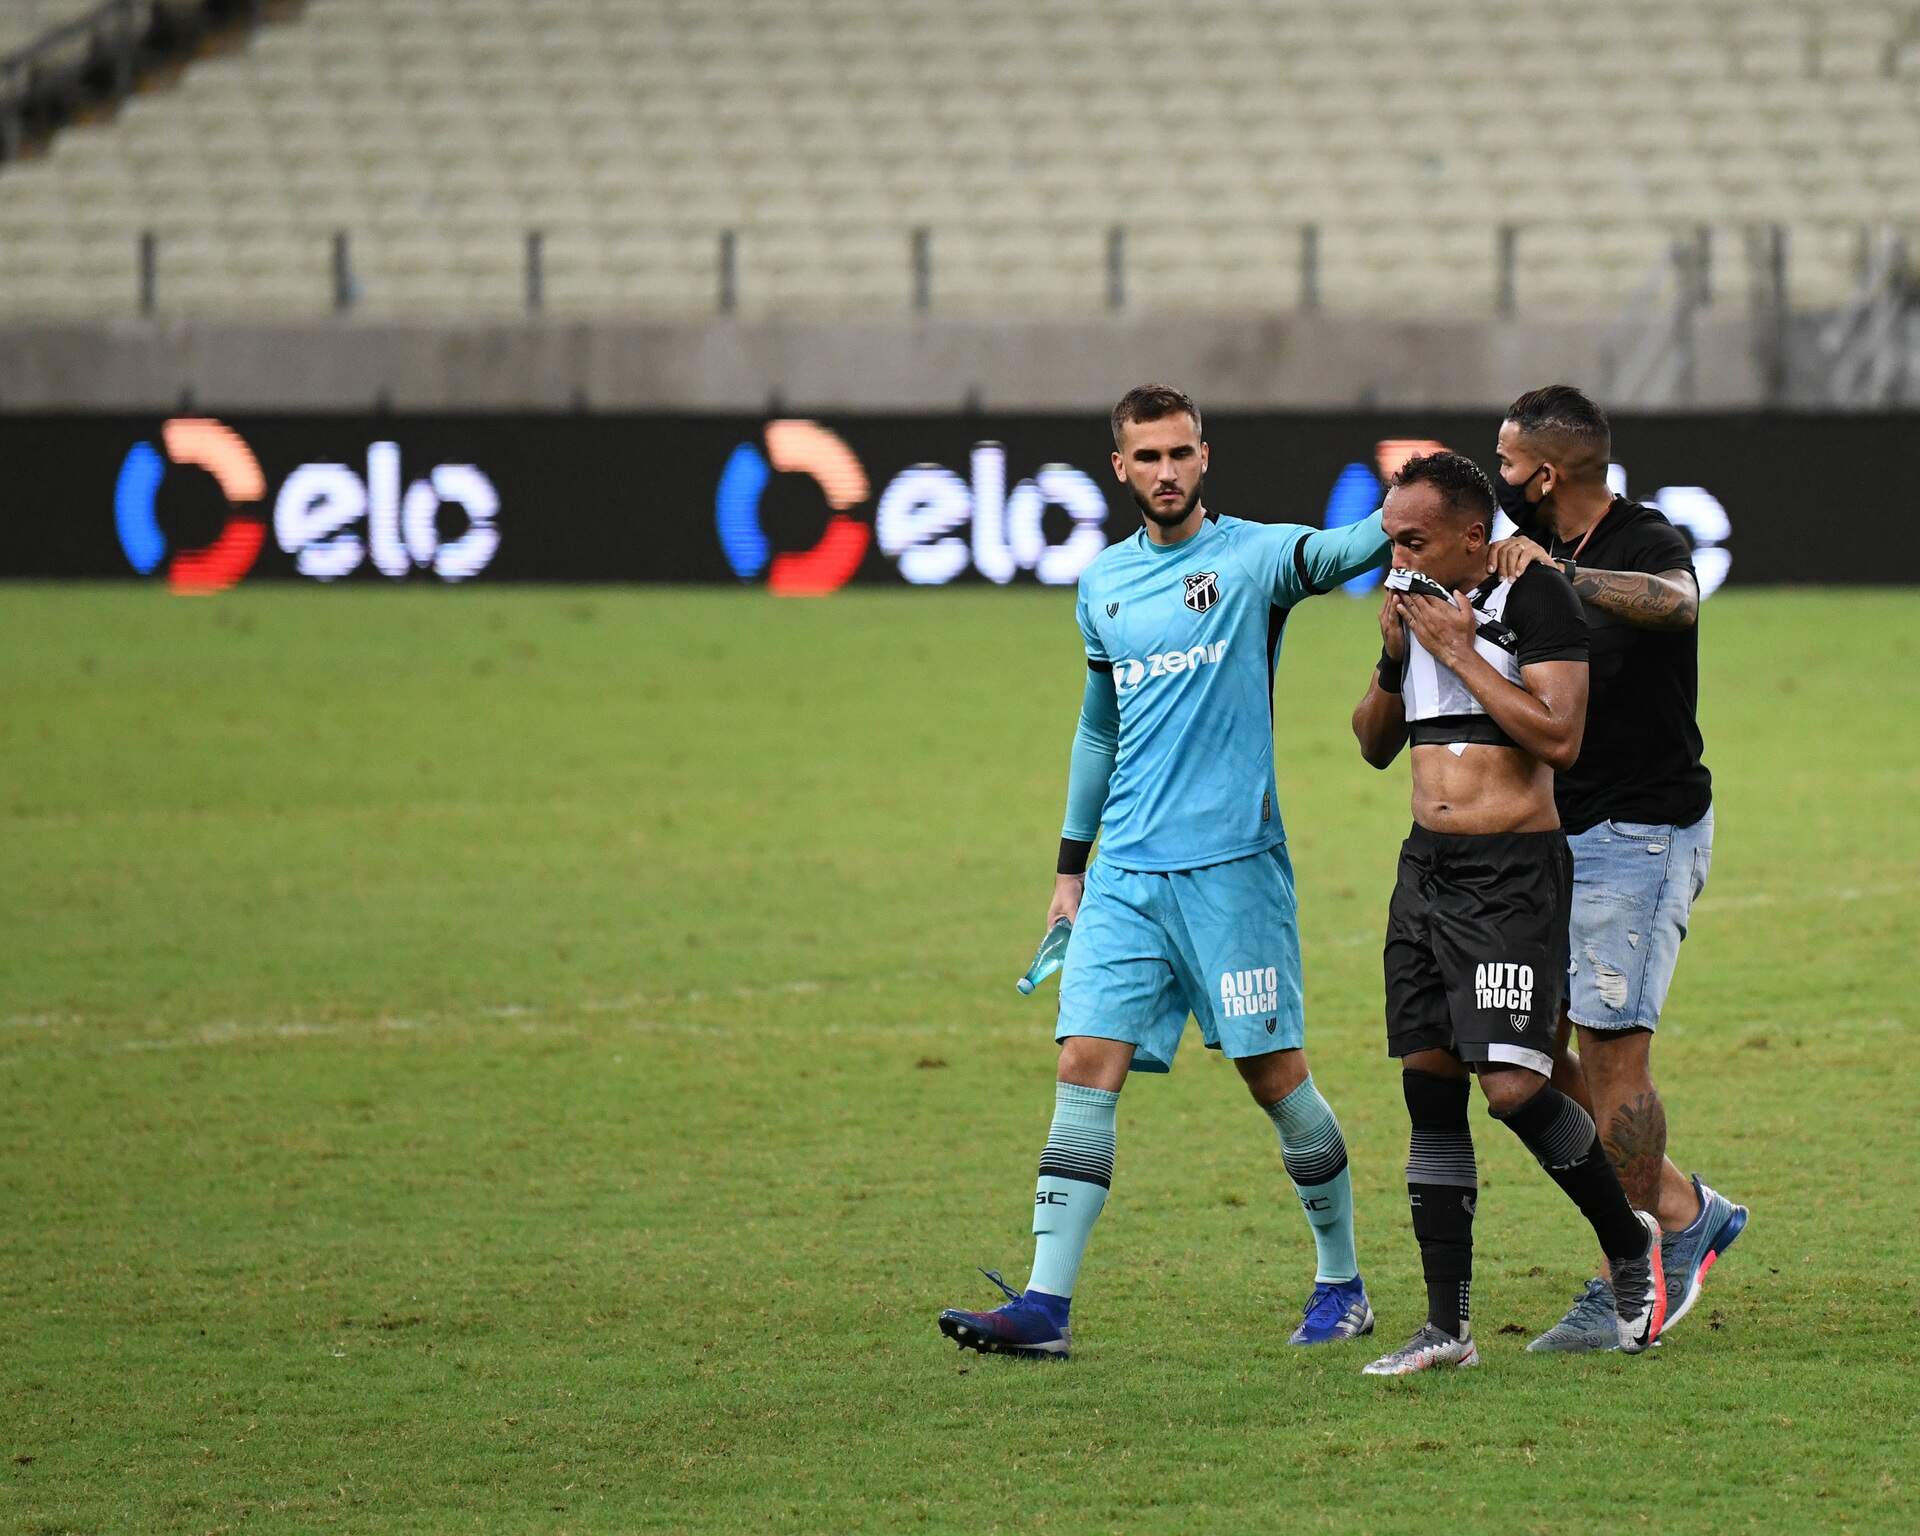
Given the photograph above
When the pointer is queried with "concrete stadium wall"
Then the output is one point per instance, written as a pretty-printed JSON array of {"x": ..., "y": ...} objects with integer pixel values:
[{"x": 1291, "y": 361}]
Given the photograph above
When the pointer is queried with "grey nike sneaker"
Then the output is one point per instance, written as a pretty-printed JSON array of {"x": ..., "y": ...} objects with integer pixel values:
[
  {"x": 1688, "y": 1254},
  {"x": 1429, "y": 1347},
  {"x": 1590, "y": 1323},
  {"x": 1640, "y": 1292}
]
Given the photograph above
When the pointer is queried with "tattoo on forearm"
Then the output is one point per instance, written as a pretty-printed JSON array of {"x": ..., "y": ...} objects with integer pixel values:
[
  {"x": 1652, "y": 602},
  {"x": 1636, "y": 1143}
]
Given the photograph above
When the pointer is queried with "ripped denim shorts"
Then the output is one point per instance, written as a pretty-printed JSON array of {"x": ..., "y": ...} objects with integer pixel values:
[{"x": 1634, "y": 885}]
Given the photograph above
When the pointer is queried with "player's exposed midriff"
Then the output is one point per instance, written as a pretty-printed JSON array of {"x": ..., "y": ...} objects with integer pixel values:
[{"x": 1482, "y": 789}]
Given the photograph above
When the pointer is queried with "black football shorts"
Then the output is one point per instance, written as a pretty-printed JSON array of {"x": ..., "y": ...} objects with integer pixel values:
[{"x": 1476, "y": 953}]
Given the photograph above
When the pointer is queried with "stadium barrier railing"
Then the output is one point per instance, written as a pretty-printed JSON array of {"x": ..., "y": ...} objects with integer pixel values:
[{"x": 1693, "y": 266}]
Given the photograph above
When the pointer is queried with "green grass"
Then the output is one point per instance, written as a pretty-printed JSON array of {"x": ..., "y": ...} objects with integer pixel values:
[{"x": 534, "y": 1060}]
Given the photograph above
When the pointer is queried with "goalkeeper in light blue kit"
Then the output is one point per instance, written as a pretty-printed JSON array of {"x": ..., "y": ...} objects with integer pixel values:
[{"x": 1190, "y": 906}]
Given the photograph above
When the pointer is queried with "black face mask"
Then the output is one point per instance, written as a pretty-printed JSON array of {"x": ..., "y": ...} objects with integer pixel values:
[{"x": 1513, "y": 498}]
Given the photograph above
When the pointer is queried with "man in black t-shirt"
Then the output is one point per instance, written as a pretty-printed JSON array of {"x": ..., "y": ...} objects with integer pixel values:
[{"x": 1638, "y": 810}]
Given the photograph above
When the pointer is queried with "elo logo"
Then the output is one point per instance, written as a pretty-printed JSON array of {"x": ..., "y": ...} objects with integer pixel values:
[
  {"x": 221, "y": 452},
  {"x": 313, "y": 515},
  {"x": 804, "y": 448},
  {"x": 319, "y": 504},
  {"x": 916, "y": 520},
  {"x": 922, "y": 507}
]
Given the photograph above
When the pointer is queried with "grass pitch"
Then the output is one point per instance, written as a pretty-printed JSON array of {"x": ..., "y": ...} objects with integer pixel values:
[{"x": 539, "y": 1060}]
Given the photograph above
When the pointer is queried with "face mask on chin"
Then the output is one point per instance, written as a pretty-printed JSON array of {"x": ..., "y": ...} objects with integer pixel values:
[{"x": 1513, "y": 498}]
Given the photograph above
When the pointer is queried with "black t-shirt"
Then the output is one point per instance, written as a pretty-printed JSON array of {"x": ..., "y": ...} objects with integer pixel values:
[{"x": 1641, "y": 757}]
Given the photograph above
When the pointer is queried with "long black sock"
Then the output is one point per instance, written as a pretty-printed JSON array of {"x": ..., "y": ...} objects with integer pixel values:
[
  {"x": 1442, "y": 1185},
  {"x": 1559, "y": 1133}
]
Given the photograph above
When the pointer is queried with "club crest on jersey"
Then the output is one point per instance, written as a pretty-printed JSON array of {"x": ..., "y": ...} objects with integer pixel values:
[
  {"x": 1203, "y": 590},
  {"x": 1112, "y": 609}
]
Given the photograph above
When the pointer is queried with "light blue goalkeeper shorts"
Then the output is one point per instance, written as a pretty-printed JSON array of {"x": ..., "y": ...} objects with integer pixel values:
[{"x": 1221, "y": 943}]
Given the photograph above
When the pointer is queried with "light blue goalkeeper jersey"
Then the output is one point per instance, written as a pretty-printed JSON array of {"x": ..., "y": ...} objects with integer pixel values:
[{"x": 1191, "y": 634}]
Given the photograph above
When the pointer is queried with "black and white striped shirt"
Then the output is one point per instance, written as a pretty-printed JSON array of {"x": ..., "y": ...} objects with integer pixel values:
[{"x": 1532, "y": 619}]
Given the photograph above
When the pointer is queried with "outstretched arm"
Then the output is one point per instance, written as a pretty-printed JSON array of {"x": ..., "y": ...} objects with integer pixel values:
[
  {"x": 1096, "y": 742},
  {"x": 1380, "y": 718},
  {"x": 1329, "y": 556}
]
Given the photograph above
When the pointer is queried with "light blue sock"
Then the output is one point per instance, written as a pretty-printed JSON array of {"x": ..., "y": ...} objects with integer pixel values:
[
  {"x": 1075, "y": 1170},
  {"x": 1316, "y": 1157}
]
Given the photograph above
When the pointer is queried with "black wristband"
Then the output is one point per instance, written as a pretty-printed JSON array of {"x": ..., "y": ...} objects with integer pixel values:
[
  {"x": 1389, "y": 672},
  {"x": 1073, "y": 856},
  {"x": 1567, "y": 567}
]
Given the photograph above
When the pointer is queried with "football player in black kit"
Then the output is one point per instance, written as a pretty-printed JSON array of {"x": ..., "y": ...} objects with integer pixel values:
[{"x": 1488, "y": 684}]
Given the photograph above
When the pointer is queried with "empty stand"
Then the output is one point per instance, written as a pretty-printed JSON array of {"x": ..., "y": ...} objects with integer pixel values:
[
  {"x": 1017, "y": 133},
  {"x": 23, "y": 22}
]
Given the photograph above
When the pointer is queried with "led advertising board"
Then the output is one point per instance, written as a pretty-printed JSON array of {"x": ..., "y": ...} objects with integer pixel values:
[{"x": 805, "y": 505}]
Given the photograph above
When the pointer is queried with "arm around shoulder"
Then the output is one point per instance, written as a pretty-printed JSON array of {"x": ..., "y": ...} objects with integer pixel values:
[
  {"x": 1642, "y": 599},
  {"x": 1655, "y": 587}
]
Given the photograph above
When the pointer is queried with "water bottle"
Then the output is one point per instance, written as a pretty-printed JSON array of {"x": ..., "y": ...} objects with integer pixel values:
[{"x": 1048, "y": 957}]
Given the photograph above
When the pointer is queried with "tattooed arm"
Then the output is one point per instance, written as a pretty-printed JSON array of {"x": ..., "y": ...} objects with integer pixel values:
[{"x": 1669, "y": 600}]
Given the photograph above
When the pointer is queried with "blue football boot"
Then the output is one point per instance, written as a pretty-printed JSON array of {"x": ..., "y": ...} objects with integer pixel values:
[
  {"x": 1591, "y": 1323},
  {"x": 1336, "y": 1310},
  {"x": 1690, "y": 1253},
  {"x": 1021, "y": 1327}
]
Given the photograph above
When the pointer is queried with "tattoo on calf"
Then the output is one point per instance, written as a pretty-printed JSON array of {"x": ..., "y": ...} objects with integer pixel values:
[{"x": 1636, "y": 1143}]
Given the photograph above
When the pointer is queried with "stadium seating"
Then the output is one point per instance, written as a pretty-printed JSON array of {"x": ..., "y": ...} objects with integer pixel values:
[
  {"x": 630, "y": 133},
  {"x": 26, "y": 21}
]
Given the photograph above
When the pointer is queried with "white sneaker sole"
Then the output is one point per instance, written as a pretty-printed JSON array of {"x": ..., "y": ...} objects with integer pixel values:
[
  {"x": 1657, "y": 1318},
  {"x": 1429, "y": 1363}
]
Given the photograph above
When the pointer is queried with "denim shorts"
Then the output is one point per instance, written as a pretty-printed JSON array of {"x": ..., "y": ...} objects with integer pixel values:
[{"x": 1634, "y": 885}]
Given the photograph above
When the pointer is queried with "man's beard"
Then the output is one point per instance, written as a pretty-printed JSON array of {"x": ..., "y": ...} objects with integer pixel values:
[{"x": 1169, "y": 519}]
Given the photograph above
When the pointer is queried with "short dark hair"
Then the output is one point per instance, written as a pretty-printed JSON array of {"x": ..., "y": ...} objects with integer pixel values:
[
  {"x": 1570, "y": 428},
  {"x": 1464, "y": 484},
  {"x": 1150, "y": 402}
]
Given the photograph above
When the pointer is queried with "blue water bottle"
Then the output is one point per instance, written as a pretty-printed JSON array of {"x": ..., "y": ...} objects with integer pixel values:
[{"x": 1048, "y": 957}]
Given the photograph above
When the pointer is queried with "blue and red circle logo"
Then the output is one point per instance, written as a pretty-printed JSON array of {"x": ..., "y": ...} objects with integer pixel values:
[
  {"x": 804, "y": 448},
  {"x": 203, "y": 443}
]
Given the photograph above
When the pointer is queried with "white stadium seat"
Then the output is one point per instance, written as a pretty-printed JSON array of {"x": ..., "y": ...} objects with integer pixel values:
[{"x": 632, "y": 132}]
